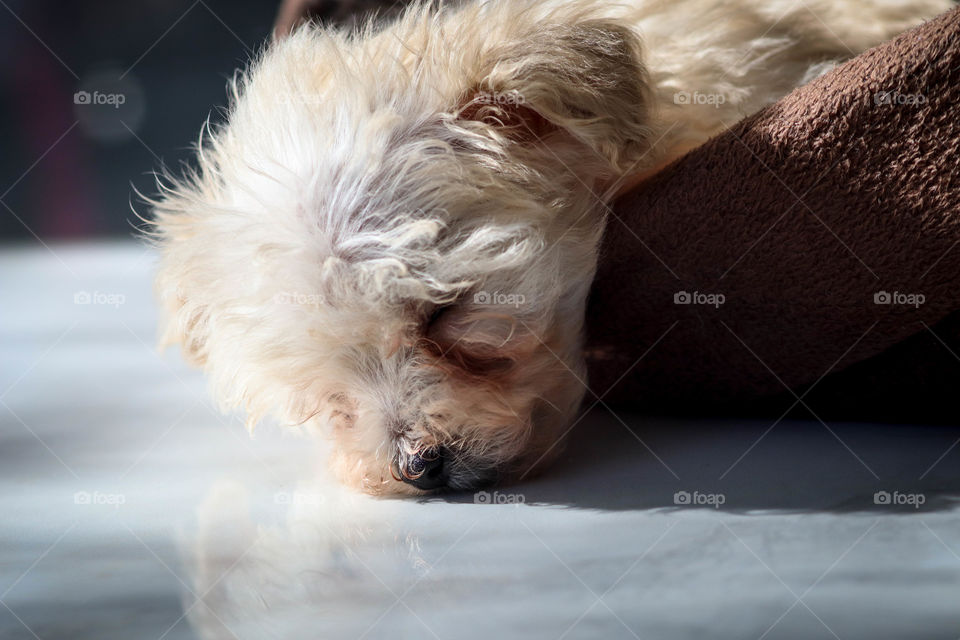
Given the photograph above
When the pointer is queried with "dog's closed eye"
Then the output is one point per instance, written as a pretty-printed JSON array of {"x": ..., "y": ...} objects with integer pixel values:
[{"x": 476, "y": 341}]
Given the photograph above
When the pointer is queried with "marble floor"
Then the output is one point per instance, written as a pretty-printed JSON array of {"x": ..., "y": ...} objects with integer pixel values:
[{"x": 133, "y": 509}]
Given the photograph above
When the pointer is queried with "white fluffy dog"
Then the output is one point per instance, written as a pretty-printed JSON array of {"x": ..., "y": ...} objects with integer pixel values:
[{"x": 393, "y": 235}]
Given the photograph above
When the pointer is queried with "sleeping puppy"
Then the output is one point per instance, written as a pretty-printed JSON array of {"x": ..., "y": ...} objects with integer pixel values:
[{"x": 392, "y": 237}]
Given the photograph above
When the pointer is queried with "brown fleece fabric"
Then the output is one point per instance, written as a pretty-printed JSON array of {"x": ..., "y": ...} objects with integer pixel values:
[{"x": 799, "y": 216}]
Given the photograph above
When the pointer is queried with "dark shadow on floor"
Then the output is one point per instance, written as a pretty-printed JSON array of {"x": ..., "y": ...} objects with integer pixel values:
[{"x": 619, "y": 461}]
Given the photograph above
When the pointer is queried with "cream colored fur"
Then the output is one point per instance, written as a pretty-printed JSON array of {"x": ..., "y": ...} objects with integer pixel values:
[{"x": 393, "y": 236}]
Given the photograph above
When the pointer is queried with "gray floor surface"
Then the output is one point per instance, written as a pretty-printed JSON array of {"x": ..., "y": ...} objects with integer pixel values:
[{"x": 132, "y": 509}]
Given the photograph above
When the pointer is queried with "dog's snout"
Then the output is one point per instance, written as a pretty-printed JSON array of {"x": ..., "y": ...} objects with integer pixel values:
[{"x": 427, "y": 470}]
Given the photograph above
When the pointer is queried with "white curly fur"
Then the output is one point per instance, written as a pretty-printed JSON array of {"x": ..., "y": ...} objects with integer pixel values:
[{"x": 330, "y": 260}]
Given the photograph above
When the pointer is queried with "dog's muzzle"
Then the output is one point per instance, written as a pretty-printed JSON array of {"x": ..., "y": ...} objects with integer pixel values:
[{"x": 427, "y": 470}]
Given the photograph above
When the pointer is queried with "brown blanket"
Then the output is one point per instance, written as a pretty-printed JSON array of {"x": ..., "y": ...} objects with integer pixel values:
[{"x": 827, "y": 223}]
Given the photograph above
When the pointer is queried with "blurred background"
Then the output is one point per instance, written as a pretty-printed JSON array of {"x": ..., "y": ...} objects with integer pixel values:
[{"x": 96, "y": 95}]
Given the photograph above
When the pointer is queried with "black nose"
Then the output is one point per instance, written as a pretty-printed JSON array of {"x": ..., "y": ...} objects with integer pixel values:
[{"x": 426, "y": 470}]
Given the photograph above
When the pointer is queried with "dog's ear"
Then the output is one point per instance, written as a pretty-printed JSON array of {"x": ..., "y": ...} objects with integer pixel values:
[{"x": 585, "y": 79}]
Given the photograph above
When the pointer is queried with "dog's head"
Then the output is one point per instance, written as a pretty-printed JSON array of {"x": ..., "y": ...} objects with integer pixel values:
[{"x": 393, "y": 235}]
